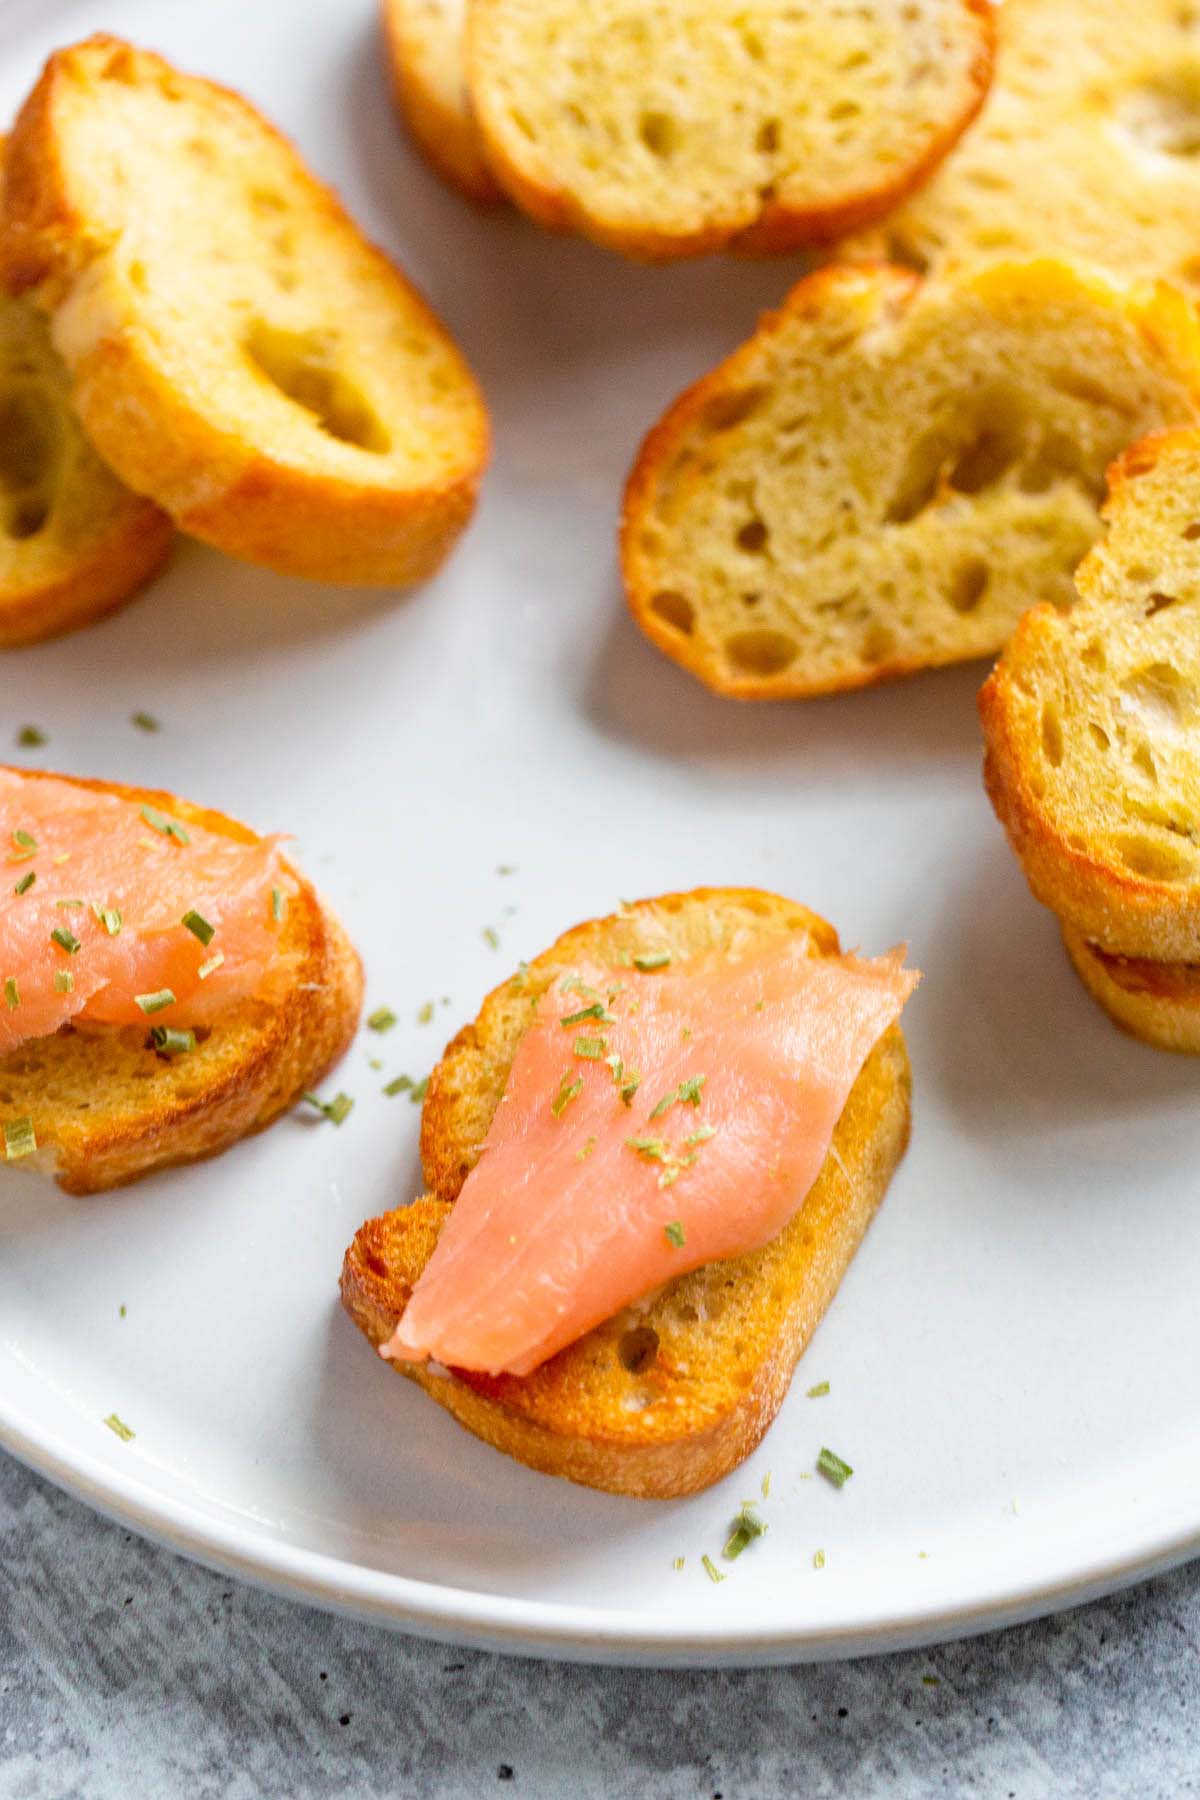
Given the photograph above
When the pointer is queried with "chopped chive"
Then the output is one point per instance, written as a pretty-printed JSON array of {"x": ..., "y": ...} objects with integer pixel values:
[
  {"x": 520, "y": 978},
  {"x": 26, "y": 846},
  {"x": 831, "y": 1466},
  {"x": 746, "y": 1527},
  {"x": 419, "y": 1090},
  {"x": 399, "y": 1085},
  {"x": 382, "y": 1019},
  {"x": 66, "y": 940},
  {"x": 491, "y": 937},
  {"x": 592, "y": 1048},
  {"x": 123, "y": 1310},
  {"x": 19, "y": 1139},
  {"x": 152, "y": 1003},
  {"x": 31, "y": 737},
  {"x": 168, "y": 827},
  {"x": 336, "y": 1110},
  {"x": 575, "y": 984},
  {"x": 169, "y": 1042},
  {"x": 701, "y": 1135},
  {"x": 12, "y": 993},
  {"x": 505, "y": 869},
  {"x": 199, "y": 927},
  {"x": 652, "y": 1148},
  {"x": 120, "y": 1429},
  {"x": 595, "y": 1011},
  {"x": 278, "y": 904},
  {"x": 818, "y": 1392},
  {"x": 616, "y": 1068},
  {"x": 651, "y": 960},
  {"x": 630, "y": 1087},
  {"x": 711, "y": 1570},
  {"x": 818, "y": 1559},
  {"x": 568, "y": 1090},
  {"x": 674, "y": 1234},
  {"x": 678, "y": 1563},
  {"x": 26, "y": 882},
  {"x": 686, "y": 1094},
  {"x": 766, "y": 1485},
  {"x": 110, "y": 917},
  {"x": 425, "y": 1013},
  {"x": 64, "y": 981},
  {"x": 582, "y": 1155},
  {"x": 69, "y": 905},
  {"x": 374, "y": 1062},
  {"x": 144, "y": 721},
  {"x": 208, "y": 968}
]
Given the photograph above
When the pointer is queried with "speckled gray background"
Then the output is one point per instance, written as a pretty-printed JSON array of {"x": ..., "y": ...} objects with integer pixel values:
[{"x": 128, "y": 1674}]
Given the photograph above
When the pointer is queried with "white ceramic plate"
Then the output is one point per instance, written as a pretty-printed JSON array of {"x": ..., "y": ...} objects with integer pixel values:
[{"x": 1013, "y": 1358}]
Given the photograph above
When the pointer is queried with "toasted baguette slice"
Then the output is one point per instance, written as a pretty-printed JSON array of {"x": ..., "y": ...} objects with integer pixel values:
[
  {"x": 1092, "y": 722},
  {"x": 673, "y": 1393},
  {"x": 107, "y": 1109},
  {"x": 239, "y": 352},
  {"x": 667, "y": 128},
  {"x": 890, "y": 472},
  {"x": 1155, "y": 1001},
  {"x": 1085, "y": 148},
  {"x": 425, "y": 45}
]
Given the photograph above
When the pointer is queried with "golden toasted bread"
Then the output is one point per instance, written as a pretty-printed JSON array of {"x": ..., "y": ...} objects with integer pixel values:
[
  {"x": 667, "y": 128},
  {"x": 890, "y": 472},
  {"x": 1086, "y": 148},
  {"x": 107, "y": 1109},
  {"x": 238, "y": 351},
  {"x": 1155, "y": 1001},
  {"x": 74, "y": 543},
  {"x": 424, "y": 41},
  {"x": 1092, "y": 724},
  {"x": 674, "y": 1392}
]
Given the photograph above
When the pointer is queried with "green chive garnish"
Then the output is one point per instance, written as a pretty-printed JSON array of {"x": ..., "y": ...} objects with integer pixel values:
[
  {"x": 207, "y": 968},
  {"x": 630, "y": 1087},
  {"x": 818, "y": 1392},
  {"x": 582, "y": 1155},
  {"x": 120, "y": 1428},
  {"x": 425, "y": 1012},
  {"x": 569, "y": 1090},
  {"x": 711, "y": 1569},
  {"x": 420, "y": 1089},
  {"x": 686, "y": 1094},
  {"x": 278, "y": 904},
  {"x": 701, "y": 1136},
  {"x": 831, "y": 1466},
  {"x": 19, "y": 1139},
  {"x": 491, "y": 937},
  {"x": 12, "y": 994},
  {"x": 653, "y": 959},
  {"x": 400, "y": 1085},
  {"x": 674, "y": 1234},
  {"x": 199, "y": 927},
  {"x": 26, "y": 882},
  {"x": 26, "y": 846},
  {"x": 593, "y": 1048},
  {"x": 336, "y": 1110},
  {"x": 64, "y": 981},
  {"x": 145, "y": 721},
  {"x": 652, "y": 1148},
  {"x": 818, "y": 1559},
  {"x": 110, "y": 917},
  {"x": 66, "y": 940},
  {"x": 152, "y": 1003},
  {"x": 746, "y": 1527},
  {"x": 595, "y": 1011},
  {"x": 69, "y": 905},
  {"x": 168, "y": 827},
  {"x": 382, "y": 1019},
  {"x": 31, "y": 738},
  {"x": 169, "y": 1042}
]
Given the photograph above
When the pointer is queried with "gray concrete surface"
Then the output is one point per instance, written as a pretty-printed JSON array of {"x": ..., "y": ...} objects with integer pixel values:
[{"x": 128, "y": 1674}]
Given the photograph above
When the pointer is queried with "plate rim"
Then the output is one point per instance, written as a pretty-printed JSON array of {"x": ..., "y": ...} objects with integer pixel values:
[{"x": 549, "y": 1630}]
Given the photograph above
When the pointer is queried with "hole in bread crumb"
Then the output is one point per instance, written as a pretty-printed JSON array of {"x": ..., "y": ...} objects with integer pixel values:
[
  {"x": 1078, "y": 386},
  {"x": 300, "y": 364},
  {"x": 675, "y": 610},
  {"x": 203, "y": 149},
  {"x": 660, "y": 133},
  {"x": 523, "y": 124},
  {"x": 752, "y": 44},
  {"x": 878, "y": 643},
  {"x": 753, "y": 536},
  {"x": 1094, "y": 656},
  {"x": 1099, "y": 736},
  {"x": 767, "y": 141},
  {"x": 1137, "y": 573},
  {"x": 638, "y": 1348},
  {"x": 726, "y": 410},
  {"x": 1162, "y": 114},
  {"x": 762, "y": 652},
  {"x": 137, "y": 276},
  {"x": 266, "y": 201},
  {"x": 1052, "y": 736},
  {"x": 919, "y": 480},
  {"x": 1163, "y": 700},
  {"x": 1156, "y": 861},
  {"x": 26, "y": 516},
  {"x": 984, "y": 460},
  {"x": 969, "y": 585},
  {"x": 28, "y": 439},
  {"x": 1158, "y": 603},
  {"x": 121, "y": 66},
  {"x": 1192, "y": 532},
  {"x": 1143, "y": 761},
  {"x": 844, "y": 109}
]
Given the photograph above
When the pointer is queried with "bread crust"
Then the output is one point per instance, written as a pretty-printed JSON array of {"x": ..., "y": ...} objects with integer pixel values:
[
  {"x": 779, "y": 228},
  {"x": 283, "y": 1048},
  {"x": 700, "y": 1407},
  {"x": 1159, "y": 1003},
  {"x": 421, "y": 70},
  {"x": 233, "y": 492},
  {"x": 111, "y": 572}
]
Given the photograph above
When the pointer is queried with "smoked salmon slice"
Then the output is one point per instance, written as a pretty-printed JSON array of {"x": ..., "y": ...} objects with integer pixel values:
[
  {"x": 654, "y": 1119},
  {"x": 117, "y": 913}
]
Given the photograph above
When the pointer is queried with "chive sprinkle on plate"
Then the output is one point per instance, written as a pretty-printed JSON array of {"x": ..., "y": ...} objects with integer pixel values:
[
  {"x": 831, "y": 1466},
  {"x": 31, "y": 737},
  {"x": 120, "y": 1429},
  {"x": 745, "y": 1528},
  {"x": 20, "y": 1139},
  {"x": 382, "y": 1019},
  {"x": 336, "y": 1110}
]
